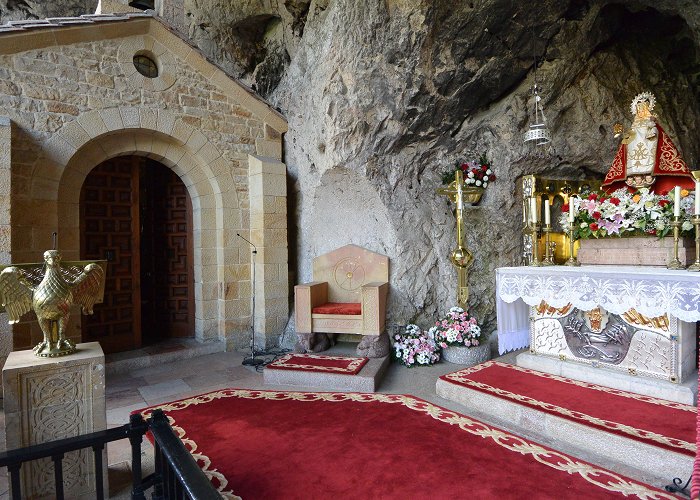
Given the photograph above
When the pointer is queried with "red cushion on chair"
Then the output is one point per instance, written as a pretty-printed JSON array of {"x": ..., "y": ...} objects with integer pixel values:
[{"x": 338, "y": 308}]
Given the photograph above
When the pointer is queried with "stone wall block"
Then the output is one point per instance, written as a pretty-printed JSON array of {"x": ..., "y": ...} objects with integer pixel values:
[
  {"x": 112, "y": 118},
  {"x": 181, "y": 131},
  {"x": 92, "y": 124},
  {"x": 148, "y": 118},
  {"x": 58, "y": 150},
  {"x": 166, "y": 121},
  {"x": 130, "y": 117},
  {"x": 269, "y": 148},
  {"x": 75, "y": 134}
]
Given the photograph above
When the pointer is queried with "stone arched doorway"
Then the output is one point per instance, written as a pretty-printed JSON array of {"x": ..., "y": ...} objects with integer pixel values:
[{"x": 136, "y": 213}]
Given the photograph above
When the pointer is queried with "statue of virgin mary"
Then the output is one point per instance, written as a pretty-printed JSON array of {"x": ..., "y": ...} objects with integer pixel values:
[{"x": 647, "y": 157}]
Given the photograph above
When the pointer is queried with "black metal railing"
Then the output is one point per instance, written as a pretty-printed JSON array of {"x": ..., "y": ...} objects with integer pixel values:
[{"x": 176, "y": 476}]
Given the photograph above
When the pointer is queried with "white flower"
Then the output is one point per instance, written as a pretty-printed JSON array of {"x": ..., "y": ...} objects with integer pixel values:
[
  {"x": 687, "y": 225},
  {"x": 584, "y": 225},
  {"x": 488, "y": 171},
  {"x": 660, "y": 225},
  {"x": 470, "y": 174},
  {"x": 478, "y": 183},
  {"x": 485, "y": 184},
  {"x": 485, "y": 178}
]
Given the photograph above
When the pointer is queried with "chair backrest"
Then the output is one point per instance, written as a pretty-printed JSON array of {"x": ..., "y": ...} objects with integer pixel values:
[{"x": 347, "y": 269}]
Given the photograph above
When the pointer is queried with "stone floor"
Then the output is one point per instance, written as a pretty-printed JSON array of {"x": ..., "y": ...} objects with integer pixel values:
[{"x": 160, "y": 383}]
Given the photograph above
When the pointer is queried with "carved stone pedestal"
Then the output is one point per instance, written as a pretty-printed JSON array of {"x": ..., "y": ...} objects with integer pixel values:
[{"x": 53, "y": 398}]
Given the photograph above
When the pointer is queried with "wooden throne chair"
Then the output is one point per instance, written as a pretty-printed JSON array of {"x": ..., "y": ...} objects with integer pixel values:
[{"x": 348, "y": 295}]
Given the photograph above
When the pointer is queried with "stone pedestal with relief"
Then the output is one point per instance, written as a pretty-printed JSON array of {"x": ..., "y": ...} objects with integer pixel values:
[{"x": 54, "y": 398}]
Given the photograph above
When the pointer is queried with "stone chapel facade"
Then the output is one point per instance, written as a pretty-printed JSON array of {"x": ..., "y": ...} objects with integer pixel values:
[{"x": 72, "y": 99}]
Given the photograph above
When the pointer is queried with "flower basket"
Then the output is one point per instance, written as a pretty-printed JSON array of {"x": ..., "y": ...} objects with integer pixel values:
[
  {"x": 415, "y": 347},
  {"x": 468, "y": 356},
  {"x": 472, "y": 194}
]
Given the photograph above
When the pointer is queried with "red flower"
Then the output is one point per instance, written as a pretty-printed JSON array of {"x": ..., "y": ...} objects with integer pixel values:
[
  {"x": 596, "y": 215},
  {"x": 615, "y": 201},
  {"x": 592, "y": 196},
  {"x": 593, "y": 226},
  {"x": 565, "y": 207},
  {"x": 652, "y": 231},
  {"x": 464, "y": 167},
  {"x": 492, "y": 177},
  {"x": 663, "y": 203},
  {"x": 602, "y": 199}
]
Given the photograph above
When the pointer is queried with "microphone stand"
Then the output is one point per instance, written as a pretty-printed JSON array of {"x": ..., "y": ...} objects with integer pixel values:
[{"x": 252, "y": 360}]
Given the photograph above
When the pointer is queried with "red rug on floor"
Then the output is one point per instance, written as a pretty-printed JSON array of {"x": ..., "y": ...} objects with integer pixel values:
[
  {"x": 274, "y": 444},
  {"x": 654, "y": 421},
  {"x": 319, "y": 363}
]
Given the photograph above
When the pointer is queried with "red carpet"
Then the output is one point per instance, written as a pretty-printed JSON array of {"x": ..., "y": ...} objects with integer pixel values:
[
  {"x": 272, "y": 444},
  {"x": 319, "y": 363},
  {"x": 654, "y": 421}
]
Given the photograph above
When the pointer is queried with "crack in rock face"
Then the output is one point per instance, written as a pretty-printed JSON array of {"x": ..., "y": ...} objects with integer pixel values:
[
  {"x": 382, "y": 97},
  {"x": 16, "y": 10}
]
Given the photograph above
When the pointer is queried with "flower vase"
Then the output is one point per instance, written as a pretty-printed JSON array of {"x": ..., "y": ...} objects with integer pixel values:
[{"x": 468, "y": 356}]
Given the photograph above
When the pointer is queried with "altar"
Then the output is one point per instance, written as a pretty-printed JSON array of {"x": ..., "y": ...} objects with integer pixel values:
[{"x": 630, "y": 328}]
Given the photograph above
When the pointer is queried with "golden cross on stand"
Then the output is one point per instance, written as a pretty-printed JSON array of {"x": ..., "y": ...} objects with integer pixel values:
[{"x": 461, "y": 257}]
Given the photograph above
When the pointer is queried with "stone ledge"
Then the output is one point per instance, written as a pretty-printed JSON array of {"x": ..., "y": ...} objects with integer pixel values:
[
  {"x": 366, "y": 380},
  {"x": 656, "y": 465}
]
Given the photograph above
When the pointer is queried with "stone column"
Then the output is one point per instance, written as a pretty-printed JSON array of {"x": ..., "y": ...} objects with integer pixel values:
[
  {"x": 267, "y": 179},
  {"x": 53, "y": 398},
  {"x": 5, "y": 227}
]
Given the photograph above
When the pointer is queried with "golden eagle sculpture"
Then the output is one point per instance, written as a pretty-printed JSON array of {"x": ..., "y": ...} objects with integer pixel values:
[{"x": 23, "y": 288}]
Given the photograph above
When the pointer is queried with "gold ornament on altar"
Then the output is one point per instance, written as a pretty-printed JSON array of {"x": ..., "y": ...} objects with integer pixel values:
[{"x": 49, "y": 289}]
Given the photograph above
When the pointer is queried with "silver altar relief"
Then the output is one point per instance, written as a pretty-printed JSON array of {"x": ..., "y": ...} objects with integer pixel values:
[{"x": 629, "y": 343}]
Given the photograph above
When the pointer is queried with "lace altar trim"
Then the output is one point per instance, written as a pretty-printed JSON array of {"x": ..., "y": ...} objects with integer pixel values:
[{"x": 650, "y": 291}]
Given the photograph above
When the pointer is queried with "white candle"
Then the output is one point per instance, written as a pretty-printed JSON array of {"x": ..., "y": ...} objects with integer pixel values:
[
  {"x": 572, "y": 215},
  {"x": 697, "y": 197},
  {"x": 547, "y": 215},
  {"x": 533, "y": 210},
  {"x": 677, "y": 201}
]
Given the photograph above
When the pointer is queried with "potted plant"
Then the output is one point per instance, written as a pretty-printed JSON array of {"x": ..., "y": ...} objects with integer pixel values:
[
  {"x": 460, "y": 338},
  {"x": 415, "y": 347}
]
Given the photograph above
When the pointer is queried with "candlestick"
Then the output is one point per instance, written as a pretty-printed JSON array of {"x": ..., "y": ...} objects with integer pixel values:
[
  {"x": 697, "y": 198},
  {"x": 533, "y": 210},
  {"x": 675, "y": 262},
  {"x": 695, "y": 266},
  {"x": 571, "y": 261},
  {"x": 547, "y": 215},
  {"x": 677, "y": 201},
  {"x": 548, "y": 259},
  {"x": 572, "y": 214},
  {"x": 533, "y": 229}
]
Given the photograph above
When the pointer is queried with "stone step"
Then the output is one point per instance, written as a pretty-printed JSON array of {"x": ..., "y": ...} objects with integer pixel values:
[
  {"x": 575, "y": 435},
  {"x": 157, "y": 354}
]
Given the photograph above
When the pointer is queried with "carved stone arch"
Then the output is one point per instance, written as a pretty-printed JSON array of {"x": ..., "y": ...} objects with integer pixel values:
[{"x": 97, "y": 136}]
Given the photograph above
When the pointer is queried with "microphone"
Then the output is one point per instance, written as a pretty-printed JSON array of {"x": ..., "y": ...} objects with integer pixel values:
[{"x": 255, "y": 249}]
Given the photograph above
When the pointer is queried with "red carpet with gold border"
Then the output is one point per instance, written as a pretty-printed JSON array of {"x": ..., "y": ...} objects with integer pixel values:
[
  {"x": 658, "y": 422},
  {"x": 279, "y": 444},
  {"x": 319, "y": 363}
]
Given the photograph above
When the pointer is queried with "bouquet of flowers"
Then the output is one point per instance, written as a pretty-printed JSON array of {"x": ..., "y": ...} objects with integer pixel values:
[
  {"x": 476, "y": 173},
  {"x": 457, "y": 328},
  {"x": 625, "y": 213},
  {"x": 415, "y": 347}
]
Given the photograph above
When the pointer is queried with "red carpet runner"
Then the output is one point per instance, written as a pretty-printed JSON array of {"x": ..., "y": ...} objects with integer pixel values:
[
  {"x": 654, "y": 421},
  {"x": 319, "y": 363},
  {"x": 271, "y": 444}
]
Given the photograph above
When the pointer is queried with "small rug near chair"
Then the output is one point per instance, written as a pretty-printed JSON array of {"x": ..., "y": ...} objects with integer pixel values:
[
  {"x": 319, "y": 363},
  {"x": 661, "y": 423},
  {"x": 274, "y": 444}
]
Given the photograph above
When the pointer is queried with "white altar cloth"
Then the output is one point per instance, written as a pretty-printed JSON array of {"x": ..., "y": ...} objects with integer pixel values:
[{"x": 651, "y": 291}]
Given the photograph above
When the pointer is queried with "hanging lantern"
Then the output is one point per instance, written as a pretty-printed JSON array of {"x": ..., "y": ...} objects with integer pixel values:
[{"x": 538, "y": 132}]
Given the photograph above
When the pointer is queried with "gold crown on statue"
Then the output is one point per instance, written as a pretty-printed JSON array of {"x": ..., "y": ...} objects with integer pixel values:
[{"x": 643, "y": 97}]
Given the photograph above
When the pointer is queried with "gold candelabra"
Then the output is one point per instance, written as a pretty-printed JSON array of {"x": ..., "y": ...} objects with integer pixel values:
[
  {"x": 533, "y": 228},
  {"x": 675, "y": 262},
  {"x": 548, "y": 259},
  {"x": 571, "y": 261},
  {"x": 695, "y": 266}
]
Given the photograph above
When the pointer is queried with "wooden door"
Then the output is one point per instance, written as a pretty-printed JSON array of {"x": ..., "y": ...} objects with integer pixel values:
[
  {"x": 166, "y": 272},
  {"x": 109, "y": 230}
]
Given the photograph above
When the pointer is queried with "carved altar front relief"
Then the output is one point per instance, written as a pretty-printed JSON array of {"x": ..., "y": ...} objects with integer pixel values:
[{"x": 657, "y": 347}]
